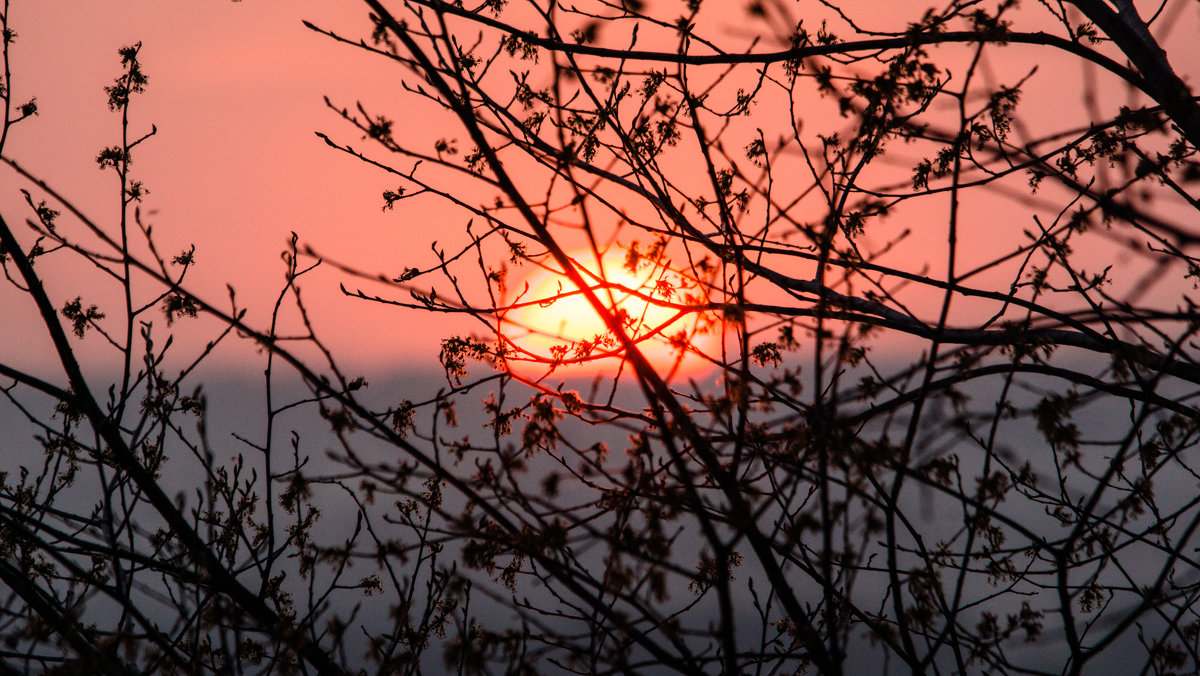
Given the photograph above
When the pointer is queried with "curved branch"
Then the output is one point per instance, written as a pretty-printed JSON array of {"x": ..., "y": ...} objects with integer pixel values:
[
  {"x": 797, "y": 53},
  {"x": 1131, "y": 35}
]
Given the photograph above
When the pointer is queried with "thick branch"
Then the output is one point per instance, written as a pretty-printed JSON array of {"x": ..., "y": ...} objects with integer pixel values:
[{"x": 1132, "y": 36}]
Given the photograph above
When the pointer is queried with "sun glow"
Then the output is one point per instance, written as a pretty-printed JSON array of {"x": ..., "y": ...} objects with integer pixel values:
[{"x": 553, "y": 327}]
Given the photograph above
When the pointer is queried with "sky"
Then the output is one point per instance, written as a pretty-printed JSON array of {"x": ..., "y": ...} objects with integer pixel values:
[{"x": 235, "y": 93}]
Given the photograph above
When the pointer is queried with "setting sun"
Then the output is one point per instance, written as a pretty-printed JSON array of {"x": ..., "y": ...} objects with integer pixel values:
[{"x": 553, "y": 326}]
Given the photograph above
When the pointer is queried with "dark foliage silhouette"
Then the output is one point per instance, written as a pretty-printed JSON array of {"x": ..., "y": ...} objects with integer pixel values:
[{"x": 893, "y": 365}]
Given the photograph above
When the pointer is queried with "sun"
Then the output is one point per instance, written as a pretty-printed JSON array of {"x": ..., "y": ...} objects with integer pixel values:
[{"x": 552, "y": 327}]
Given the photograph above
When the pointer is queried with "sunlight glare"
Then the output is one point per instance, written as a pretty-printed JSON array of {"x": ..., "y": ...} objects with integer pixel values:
[{"x": 555, "y": 329}]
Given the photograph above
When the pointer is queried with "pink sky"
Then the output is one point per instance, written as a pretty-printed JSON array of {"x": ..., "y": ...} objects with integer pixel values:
[{"x": 236, "y": 93}]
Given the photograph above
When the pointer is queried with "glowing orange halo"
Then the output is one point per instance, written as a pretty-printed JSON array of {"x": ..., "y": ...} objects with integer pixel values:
[{"x": 552, "y": 326}]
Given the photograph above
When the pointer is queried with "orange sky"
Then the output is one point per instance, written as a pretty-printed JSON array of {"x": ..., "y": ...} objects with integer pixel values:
[{"x": 236, "y": 93}]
